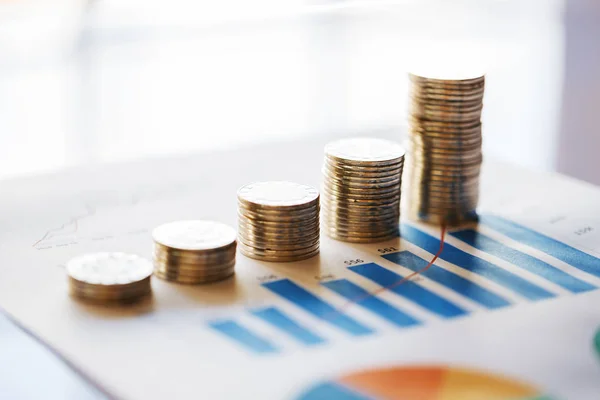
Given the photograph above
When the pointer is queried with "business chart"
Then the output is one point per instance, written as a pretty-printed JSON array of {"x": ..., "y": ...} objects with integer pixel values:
[
  {"x": 389, "y": 279},
  {"x": 505, "y": 301}
]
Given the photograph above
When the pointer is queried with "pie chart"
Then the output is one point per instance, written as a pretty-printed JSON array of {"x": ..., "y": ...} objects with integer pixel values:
[{"x": 423, "y": 383}]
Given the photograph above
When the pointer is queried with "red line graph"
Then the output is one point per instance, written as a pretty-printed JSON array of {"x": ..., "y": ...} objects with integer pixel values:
[{"x": 344, "y": 307}]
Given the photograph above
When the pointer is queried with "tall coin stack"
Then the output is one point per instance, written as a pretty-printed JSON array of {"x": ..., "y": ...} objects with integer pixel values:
[
  {"x": 362, "y": 180},
  {"x": 109, "y": 278},
  {"x": 278, "y": 221},
  {"x": 194, "y": 252},
  {"x": 445, "y": 148}
]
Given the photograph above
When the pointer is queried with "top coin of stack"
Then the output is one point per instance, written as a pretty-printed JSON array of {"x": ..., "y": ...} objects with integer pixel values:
[
  {"x": 278, "y": 221},
  {"x": 445, "y": 148},
  {"x": 109, "y": 277},
  {"x": 362, "y": 179},
  {"x": 194, "y": 252}
]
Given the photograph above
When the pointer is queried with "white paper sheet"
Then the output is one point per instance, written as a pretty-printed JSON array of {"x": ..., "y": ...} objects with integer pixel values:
[{"x": 165, "y": 348}]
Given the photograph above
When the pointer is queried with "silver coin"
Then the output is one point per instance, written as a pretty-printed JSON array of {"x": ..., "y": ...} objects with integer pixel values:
[
  {"x": 380, "y": 168},
  {"x": 356, "y": 216},
  {"x": 304, "y": 223},
  {"x": 197, "y": 263},
  {"x": 456, "y": 79},
  {"x": 278, "y": 194},
  {"x": 109, "y": 268},
  {"x": 276, "y": 256},
  {"x": 444, "y": 94},
  {"x": 283, "y": 217},
  {"x": 445, "y": 154},
  {"x": 205, "y": 255},
  {"x": 131, "y": 289},
  {"x": 364, "y": 150},
  {"x": 194, "y": 235}
]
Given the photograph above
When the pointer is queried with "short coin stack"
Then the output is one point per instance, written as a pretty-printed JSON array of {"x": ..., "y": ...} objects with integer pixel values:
[
  {"x": 194, "y": 252},
  {"x": 445, "y": 148},
  {"x": 109, "y": 278},
  {"x": 278, "y": 221},
  {"x": 362, "y": 180}
]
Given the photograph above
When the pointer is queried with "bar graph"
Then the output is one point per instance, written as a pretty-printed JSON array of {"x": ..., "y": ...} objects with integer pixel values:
[
  {"x": 353, "y": 292},
  {"x": 561, "y": 251},
  {"x": 457, "y": 283},
  {"x": 244, "y": 337},
  {"x": 287, "y": 325},
  {"x": 324, "y": 301},
  {"x": 314, "y": 305},
  {"x": 409, "y": 290},
  {"x": 475, "y": 264},
  {"x": 522, "y": 260}
]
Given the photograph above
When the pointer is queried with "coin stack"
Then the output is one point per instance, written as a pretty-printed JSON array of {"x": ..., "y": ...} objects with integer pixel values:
[
  {"x": 194, "y": 252},
  {"x": 445, "y": 148},
  {"x": 278, "y": 221},
  {"x": 362, "y": 180},
  {"x": 109, "y": 278}
]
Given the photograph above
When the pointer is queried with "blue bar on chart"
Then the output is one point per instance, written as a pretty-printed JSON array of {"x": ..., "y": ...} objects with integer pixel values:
[
  {"x": 286, "y": 324},
  {"x": 243, "y": 336},
  {"x": 316, "y": 306},
  {"x": 457, "y": 283},
  {"x": 409, "y": 290},
  {"x": 363, "y": 298},
  {"x": 548, "y": 245},
  {"x": 522, "y": 260},
  {"x": 475, "y": 264}
]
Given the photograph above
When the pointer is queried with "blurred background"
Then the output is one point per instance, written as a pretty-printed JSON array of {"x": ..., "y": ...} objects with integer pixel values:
[{"x": 114, "y": 80}]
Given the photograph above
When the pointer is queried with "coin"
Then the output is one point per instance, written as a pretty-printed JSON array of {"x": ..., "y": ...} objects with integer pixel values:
[
  {"x": 361, "y": 151},
  {"x": 194, "y": 235},
  {"x": 278, "y": 221},
  {"x": 277, "y": 194},
  {"x": 361, "y": 189},
  {"x": 444, "y": 147},
  {"x": 194, "y": 251},
  {"x": 109, "y": 277},
  {"x": 276, "y": 255}
]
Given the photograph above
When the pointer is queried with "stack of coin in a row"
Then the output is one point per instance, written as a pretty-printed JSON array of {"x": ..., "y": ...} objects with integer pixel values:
[
  {"x": 194, "y": 252},
  {"x": 109, "y": 278},
  {"x": 362, "y": 180},
  {"x": 445, "y": 148},
  {"x": 278, "y": 221}
]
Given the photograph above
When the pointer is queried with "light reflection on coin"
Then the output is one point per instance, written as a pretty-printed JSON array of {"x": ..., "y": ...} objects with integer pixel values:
[
  {"x": 194, "y": 235},
  {"x": 364, "y": 151},
  {"x": 277, "y": 194}
]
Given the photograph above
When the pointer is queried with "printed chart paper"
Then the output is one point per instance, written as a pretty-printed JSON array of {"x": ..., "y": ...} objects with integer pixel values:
[{"x": 511, "y": 305}]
